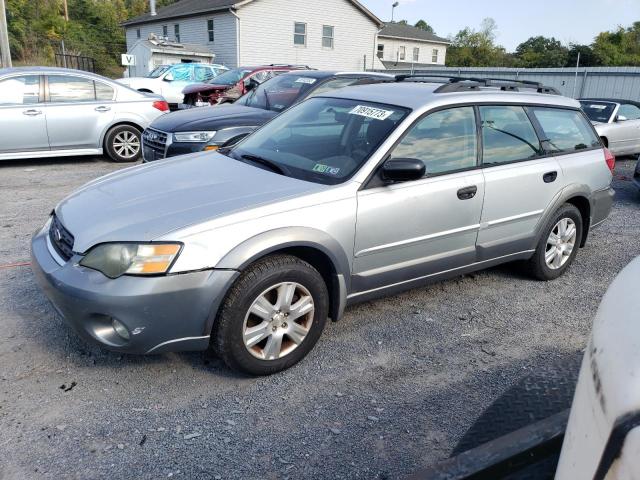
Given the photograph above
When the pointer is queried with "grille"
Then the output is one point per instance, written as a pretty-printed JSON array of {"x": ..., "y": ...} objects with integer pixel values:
[
  {"x": 155, "y": 140},
  {"x": 61, "y": 239}
]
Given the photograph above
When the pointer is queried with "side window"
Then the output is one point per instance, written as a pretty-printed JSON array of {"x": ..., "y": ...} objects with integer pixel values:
[
  {"x": 629, "y": 111},
  {"x": 565, "y": 130},
  {"x": 103, "y": 91},
  {"x": 262, "y": 76},
  {"x": 182, "y": 72},
  {"x": 23, "y": 90},
  {"x": 202, "y": 74},
  {"x": 507, "y": 135},
  {"x": 63, "y": 88},
  {"x": 445, "y": 141}
]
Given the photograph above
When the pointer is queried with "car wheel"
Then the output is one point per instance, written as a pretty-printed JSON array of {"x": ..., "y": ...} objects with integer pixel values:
[
  {"x": 123, "y": 143},
  {"x": 558, "y": 244},
  {"x": 272, "y": 316}
]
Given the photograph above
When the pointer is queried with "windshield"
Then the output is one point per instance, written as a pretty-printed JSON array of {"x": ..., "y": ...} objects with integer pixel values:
[
  {"x": 279, "y": 93},
  {"x": 231, "y": 77},
  {"x": 155, "y": 73},
  {"x": 323, "y": 140},
  {"x": 598, "y": 111}
]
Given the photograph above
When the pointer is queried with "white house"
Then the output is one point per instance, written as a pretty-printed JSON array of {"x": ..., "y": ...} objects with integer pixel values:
[
  {"x": 402, "y": 46},
  {"x": 153, "y": 52},
  {"x": 327, "y": 34}
]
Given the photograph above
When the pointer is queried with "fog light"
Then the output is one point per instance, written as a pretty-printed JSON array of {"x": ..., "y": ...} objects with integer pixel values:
[
  {"x": 120, "y": 329},
  {"x": 210, "y": 148}
]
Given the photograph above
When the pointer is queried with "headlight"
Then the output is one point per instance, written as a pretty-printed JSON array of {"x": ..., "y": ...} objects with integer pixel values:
[
  {"x": 116, "y": 259},
  {"x": 195, "y": 137}
]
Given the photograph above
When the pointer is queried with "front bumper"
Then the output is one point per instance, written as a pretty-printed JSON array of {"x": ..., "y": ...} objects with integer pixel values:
[
  {"x": 601, "y": 204},
  {"x": 162, "y": 314}
]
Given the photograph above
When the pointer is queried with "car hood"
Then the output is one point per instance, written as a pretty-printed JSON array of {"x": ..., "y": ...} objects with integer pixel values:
[
  {"x": 205, "y": 87},
  {"x": 212, "y": 118},
  {"x": 145, "y": 202}
]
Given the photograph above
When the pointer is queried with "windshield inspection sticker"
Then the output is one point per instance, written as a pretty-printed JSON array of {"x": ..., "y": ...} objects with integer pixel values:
[
  {"x": 308, "y": 81},
  {"x": 318, "y": 167},
  {"x": 370, "y": 112}
]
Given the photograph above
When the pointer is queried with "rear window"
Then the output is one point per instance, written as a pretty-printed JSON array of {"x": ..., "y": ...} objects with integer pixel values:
[{"x": 566, "y": 130}]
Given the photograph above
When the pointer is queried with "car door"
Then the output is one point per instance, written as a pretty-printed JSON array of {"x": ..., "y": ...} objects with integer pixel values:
[
  {"x": 174, "y": 81},
  {"x": 76, "y": 119},
  {"x": 415, "y": 229},
  {"x": 520, "y": 180},
  {"x": 23, "y": 126},
  {"x": 626, "y": 138}
]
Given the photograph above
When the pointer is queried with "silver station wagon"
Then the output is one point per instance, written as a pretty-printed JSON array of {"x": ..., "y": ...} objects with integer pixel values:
[{"x": 345, "y": 197}]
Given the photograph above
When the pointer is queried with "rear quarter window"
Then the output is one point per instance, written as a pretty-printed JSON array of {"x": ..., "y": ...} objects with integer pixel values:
[{"x": 565, "y": 130}]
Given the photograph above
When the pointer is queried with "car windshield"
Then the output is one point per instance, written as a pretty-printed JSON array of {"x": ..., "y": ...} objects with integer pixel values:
[
  {"x": 155, "y": 73},
  {"x": 231, "y": 77},
  {"x": 279, "y": 93},
  {"x": 322, "y": 140},
  {"x": 598, "y": 111}
]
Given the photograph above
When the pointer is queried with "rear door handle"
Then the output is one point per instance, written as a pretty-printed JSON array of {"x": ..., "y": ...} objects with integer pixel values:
[
  {"x": 550, "y": 177},
  {"x": 467, "y": 193},
  {"x": 32, "y": 112},
  {"x": 102, "y": 109}
]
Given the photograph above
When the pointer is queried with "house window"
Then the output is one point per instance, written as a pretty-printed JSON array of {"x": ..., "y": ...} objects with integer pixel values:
[
  {"x": 327, "y": 36},
  {"x": 416, "y": 54},
  {"x": 380, "y": 50},
  {"x": 176, "y": 32},
  {"x": 300, "y": 34},
  {"x": 137, "y": 32},
  {"x": 210, "y": 30},
  {"x": 165, "y": 31},
  {"x": 402, "y": 53},
  {"x": 434, "y": 56}
]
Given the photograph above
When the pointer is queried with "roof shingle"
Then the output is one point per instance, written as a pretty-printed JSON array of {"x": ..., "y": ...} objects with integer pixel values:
[{"x": 400, "y": 30}]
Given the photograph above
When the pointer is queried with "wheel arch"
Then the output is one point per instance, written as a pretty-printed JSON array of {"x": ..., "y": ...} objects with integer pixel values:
[
  {"x": 605, "y": 140},
  {"x": 315, "y": 247},
  {"x": 582, "y": 203},
  {"x": 118, "y": 124},
  {"x": 576, "y": 195}
]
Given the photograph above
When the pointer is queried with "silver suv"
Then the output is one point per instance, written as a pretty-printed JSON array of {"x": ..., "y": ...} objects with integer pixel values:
[{"x": 345, "y": 197}]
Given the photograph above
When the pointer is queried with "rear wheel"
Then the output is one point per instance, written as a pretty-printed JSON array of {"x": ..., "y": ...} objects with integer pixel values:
[
  {"x": 558, "y": 244},
  {"x": 272, "y": 317},
  {"x": 123, "y": 143}
]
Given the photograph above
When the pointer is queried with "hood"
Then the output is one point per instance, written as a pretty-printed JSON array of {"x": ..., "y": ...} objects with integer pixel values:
[
  {"x": 212, "y": 118},
  {"x": 144, "y": 202},
  {"x": 205, "y": 87}
]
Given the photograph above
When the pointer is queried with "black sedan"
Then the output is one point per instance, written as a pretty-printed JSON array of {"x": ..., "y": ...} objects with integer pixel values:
[{"x": 208, "y": 128}]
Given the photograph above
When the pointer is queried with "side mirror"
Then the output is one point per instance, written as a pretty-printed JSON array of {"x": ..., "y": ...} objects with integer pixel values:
[
  {"x": 403, "y": 169},
  {"x": 168, "y": 77},
  {"x": 621, "y": 118}
]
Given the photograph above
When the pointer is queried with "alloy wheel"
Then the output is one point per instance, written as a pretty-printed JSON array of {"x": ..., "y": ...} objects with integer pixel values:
[
  {"x": 560, "y": 244},
  {"x": 126, "y": 144}
]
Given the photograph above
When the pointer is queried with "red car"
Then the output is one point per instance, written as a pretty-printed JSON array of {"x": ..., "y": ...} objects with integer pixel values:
[{"x": 233, "y": 84}]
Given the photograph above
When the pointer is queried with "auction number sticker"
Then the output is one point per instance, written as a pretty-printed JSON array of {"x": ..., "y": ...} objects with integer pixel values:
[
  {"x": 371, "y": 112},
  {"x": 308, "y": 81},
  {"x": 318, "y": 167}
]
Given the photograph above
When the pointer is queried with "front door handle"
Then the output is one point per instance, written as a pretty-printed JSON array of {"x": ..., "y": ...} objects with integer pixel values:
[
  {"x": 102, "y": 109},
  {"x": 32, "y": 112},
  {"x": 550, "y": 177},
  {"x": 467, "y": 193}
]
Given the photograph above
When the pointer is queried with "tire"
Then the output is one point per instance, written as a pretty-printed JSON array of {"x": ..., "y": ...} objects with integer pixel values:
[
  {"x": 271, "y": 280},
  {"x": 538, "y": 265},
  {"x": 123, "y": 143}
]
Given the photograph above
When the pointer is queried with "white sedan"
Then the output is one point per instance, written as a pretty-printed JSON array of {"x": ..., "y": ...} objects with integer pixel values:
[{"x": 169, "y": 80}]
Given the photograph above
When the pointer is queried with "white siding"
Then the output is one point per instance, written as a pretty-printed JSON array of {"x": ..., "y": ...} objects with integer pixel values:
[
  {"x": 392, "y": 47},
  {"x": 194, "y": 30},
  {"x": 266, "y": 33}
]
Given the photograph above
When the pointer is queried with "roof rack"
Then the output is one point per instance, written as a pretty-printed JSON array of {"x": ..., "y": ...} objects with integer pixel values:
[{"x": 461, "y": 84}]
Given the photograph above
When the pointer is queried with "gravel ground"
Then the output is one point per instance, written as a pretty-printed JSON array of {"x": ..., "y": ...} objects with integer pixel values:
[{"x": 387, "y": 390}]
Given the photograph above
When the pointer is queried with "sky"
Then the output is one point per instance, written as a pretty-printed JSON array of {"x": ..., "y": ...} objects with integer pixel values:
[{"x": 570, "y": 21}]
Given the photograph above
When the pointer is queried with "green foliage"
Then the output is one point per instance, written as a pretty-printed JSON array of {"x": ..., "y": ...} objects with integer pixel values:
[
  {"x": 422, "y": 25},
  {"x": 588, "y": 58},
  {"x": 540, "y": 51},
  {"x": 38, "y": 27},
  {"x": 477, "y": 48},
  {"x": 620, "y": 47}
]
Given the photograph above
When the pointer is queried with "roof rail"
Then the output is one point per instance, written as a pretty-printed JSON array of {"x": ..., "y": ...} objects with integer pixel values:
[{"x": 461, "y": 84}]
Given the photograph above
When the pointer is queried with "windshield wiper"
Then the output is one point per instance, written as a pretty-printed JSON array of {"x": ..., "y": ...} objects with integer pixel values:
[{"x": 273, "y": 166}]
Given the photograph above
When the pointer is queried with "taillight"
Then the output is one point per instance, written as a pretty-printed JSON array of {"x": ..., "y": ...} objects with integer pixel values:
[
  {"x": 610, "y": 159},
  {"x": 161, "y": 105}
]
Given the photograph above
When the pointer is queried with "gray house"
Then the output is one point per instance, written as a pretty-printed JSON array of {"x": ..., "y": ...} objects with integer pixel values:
[
  {"x": 327, "y": 34},
  {"x": 402, "y": 46}
]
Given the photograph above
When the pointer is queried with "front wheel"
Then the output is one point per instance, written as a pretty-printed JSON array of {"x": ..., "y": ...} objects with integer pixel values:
[
  {"x": 272, "y": 317},
  {"x": 123, "y": 143},
  {"x": 558, "y": 244}
]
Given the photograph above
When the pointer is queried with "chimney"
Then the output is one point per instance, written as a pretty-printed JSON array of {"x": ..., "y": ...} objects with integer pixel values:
[{"x": 152, "y": 8}]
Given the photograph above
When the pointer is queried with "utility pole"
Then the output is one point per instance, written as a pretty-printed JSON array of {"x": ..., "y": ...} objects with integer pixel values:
[
  {"x": 393, "y": 7},
  {"x": 66, "y": 18},
  {"x": 575, "y": 81},
  {"x": 5, "y": 54},
  {"x": 66, "y": 11}
]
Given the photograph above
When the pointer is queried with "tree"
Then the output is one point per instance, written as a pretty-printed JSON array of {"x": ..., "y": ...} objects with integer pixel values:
[
  {"x": 471, "y": 48},
  {"x": 620, "y": 47},
  {"x": 539, "y": 52},
  {"x": 422, "y": 25},
  {"x": 588, "y": 57}
]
